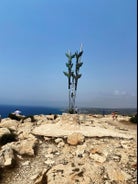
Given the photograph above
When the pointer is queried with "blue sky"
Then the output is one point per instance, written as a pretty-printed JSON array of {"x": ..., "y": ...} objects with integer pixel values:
[{"x": 35, "y": 34}]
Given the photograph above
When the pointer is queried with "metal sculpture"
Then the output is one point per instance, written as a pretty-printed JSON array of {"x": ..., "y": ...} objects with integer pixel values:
[{"x": 73, "y": 75}]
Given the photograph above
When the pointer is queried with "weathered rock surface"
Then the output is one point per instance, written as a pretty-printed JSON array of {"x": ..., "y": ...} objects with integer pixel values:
[
  {"x": 4, "y": 131},
  {"x": 58, "y": 130},
  {"x": 25, "y": 147},
  {"x": 6, "y": 156},
  {"x": 75, "y": 138},
  {"x": 69, "y": 149}
]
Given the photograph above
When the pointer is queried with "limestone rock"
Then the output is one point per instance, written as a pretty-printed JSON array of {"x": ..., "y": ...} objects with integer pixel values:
[
  {"x": 58, "y": 140},
  {"x": 60, "y": 144},
  {"x": 25, "y": 147},
  {"x": 70, "y": 174},
  {"x": 40, "y": 178},
  {"x": 115, "y": 173},
  {"x": 62, "y": 130},
  {"x": 98, "y": 158},
  {"x": 4, "y": 131},
  {"x": 71, "y": 149},
  {"x": 80, "y": 150},
  {"x": 50, "y": 117},
  {"x": 24, "y": 130},
  {"x": 49, "y": 162},
  {"x": 75, "y": 138},
  {"x": 26, "y": 163},
  {"x": 6, "y": 156},
  {"x": 70, "y": 118},
  {"x": 10, "y": 124}
]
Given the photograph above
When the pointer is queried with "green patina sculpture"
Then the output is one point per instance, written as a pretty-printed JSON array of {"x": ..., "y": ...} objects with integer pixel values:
[{"x": 73, "y": 75}]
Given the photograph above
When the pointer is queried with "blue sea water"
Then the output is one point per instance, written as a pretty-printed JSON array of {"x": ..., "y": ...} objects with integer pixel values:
[{"x": 5, "y": 110}]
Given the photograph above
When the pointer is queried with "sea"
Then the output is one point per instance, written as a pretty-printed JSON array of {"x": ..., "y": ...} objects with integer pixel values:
[{"x": 5, "y": 110}]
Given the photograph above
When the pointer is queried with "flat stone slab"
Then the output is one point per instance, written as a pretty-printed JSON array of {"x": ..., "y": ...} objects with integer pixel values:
[{"x": 62, "y": 130}]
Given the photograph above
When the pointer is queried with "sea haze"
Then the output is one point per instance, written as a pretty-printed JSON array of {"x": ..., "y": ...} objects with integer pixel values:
[{"x": 121, "y": 111}]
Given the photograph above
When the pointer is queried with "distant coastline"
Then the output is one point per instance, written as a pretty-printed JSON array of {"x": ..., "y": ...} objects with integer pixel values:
[
  {"x": 36, "y": 110},
  {"x": 121, "y": 111}
]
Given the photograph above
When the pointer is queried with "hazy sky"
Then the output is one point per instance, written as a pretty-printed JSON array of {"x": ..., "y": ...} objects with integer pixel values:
[{"x": 35, "y": 34}]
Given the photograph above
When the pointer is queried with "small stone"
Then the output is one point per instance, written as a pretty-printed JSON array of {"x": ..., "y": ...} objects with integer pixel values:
[
  {"x": 49, "y": 156},
  {"x": 58, "y": 140},
  {"x": 19, "y": 156},
  {"x": 47, "y": 138},
  {"x": 61, "y": 144},
  {"x": 26, "y": 163},
  {"x": 49, "y": 162},
  {"x": 98, "y": 158}
]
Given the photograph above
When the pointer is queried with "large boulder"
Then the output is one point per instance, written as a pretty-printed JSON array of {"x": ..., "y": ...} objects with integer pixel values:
[
  {"x": 25, "y": 147},
  {"x": 24, "y": 130},
  {"x": 10, "y": 124},
  {"x": 75, "y": 138}
]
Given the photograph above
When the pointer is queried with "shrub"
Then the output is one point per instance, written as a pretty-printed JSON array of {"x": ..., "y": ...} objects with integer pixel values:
[{"x": 133, "y": 119}]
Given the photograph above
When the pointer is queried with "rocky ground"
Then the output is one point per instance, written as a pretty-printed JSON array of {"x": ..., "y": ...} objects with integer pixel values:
[{"x": 68, "y": 149}]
